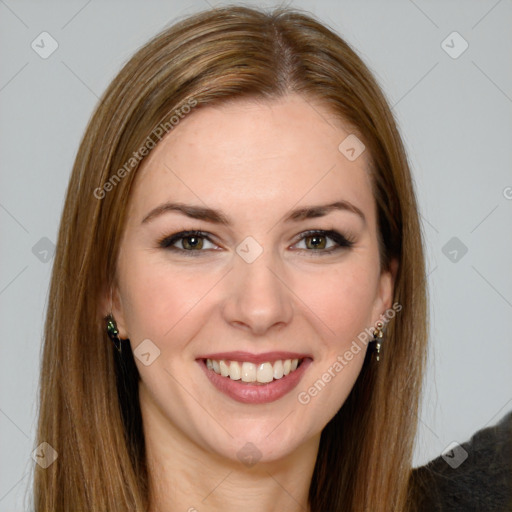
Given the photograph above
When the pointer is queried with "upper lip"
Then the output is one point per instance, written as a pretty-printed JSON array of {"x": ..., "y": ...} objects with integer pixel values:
[{"x": 254, "y": 358}]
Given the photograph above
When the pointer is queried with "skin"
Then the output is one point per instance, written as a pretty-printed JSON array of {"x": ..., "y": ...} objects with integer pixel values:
[{"x": 256, "y": 161}]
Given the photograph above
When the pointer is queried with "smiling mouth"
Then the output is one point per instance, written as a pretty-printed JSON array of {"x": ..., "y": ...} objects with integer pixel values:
[{"x": 251, "y": 373}]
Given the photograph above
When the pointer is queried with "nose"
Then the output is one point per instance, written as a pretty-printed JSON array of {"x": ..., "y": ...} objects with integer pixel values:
[{"x": 258, "y": 297}]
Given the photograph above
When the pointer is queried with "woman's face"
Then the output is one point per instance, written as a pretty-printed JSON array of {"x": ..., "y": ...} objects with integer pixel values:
[{"x": 254, "y": 287}]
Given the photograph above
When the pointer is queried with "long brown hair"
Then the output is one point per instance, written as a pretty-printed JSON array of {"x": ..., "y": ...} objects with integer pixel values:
[{"x": 89, "y": 410}]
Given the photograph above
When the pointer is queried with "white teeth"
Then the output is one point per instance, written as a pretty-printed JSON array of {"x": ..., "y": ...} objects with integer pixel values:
[
  {"x": 278, "y": 369},
  {"x": 250, "y": 372},
  {"x": 224, "y": 369},
  {"x": 234, "y": 371},
  {"x": 265, "y": 373}
]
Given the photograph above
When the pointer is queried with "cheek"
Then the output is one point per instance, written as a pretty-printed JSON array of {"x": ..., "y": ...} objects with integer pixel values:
[
  {"x": 341, "y": 299},
  {"x": 158, "y": 296}
]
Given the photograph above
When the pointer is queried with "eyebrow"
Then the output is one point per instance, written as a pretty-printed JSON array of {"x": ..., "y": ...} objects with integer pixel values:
[{"x": 218, "y": 217}]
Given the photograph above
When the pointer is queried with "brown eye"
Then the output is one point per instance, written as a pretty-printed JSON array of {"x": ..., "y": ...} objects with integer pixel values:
[
  {"x": 324, "y": 242},
  {"x": 192, "y": 242},
  {"x": 186, "y": 241},
  {"x": 316, "y": 242}
]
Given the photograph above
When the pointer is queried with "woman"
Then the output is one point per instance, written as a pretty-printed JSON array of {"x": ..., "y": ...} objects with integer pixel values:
[{"x": 241, "y": 211}]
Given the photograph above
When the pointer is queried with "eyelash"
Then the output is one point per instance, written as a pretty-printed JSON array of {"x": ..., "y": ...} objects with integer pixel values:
[{"x": 342, "y": 241}]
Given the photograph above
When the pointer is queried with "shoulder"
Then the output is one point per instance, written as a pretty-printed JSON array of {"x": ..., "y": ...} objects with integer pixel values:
[{"x": 474, "y": 476}]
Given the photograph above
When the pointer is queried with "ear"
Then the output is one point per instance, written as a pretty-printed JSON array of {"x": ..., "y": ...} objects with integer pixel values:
[
  {"x": 385, "y": 292},
  {"x": 110, "y": 302},
  {"x": 104, "y": 302}
]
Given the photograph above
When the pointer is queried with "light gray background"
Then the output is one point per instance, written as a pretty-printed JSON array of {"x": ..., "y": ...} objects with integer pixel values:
[{"x": 455, "y": 117}]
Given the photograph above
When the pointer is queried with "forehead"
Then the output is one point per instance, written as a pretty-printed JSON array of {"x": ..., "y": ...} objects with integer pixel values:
[{"x": 252, "y": 156}]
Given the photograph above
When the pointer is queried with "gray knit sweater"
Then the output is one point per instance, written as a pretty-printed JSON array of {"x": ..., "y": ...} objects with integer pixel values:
[{"x": 474, "y": 477}]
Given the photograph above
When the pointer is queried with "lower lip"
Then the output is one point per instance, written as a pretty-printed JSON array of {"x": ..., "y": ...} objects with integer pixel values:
[{"x": 256, "y": 393}]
